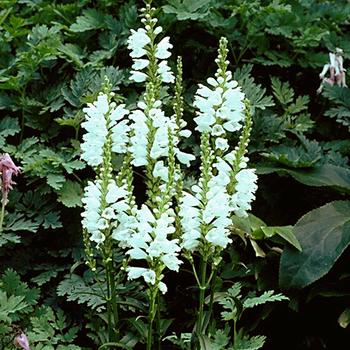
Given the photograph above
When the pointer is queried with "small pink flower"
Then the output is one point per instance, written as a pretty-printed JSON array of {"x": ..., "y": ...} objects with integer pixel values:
[
  {"x": 7, "y": 169},
  {"x": 21, "y": 341}
]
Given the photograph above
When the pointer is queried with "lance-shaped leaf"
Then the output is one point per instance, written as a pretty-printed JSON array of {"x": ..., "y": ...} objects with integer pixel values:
[{"x": 324, "y": 233}]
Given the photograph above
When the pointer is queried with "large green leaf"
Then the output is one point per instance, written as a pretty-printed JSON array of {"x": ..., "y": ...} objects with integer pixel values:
[
  {"x": 187, "y": 9},
  {"x": 323, "y": 233},
  {"x": 324, "y": 175}
]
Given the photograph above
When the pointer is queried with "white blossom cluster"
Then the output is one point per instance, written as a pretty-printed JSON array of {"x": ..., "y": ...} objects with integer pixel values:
[
  {"x": 96, "y": 218},
  {"x": 206, "y": 214},
  {"x": 213, "y": 210},
  {"x": 103, "y": 117},
  {"x": 140, "y": 43},
  {"x": 96, "y": 127},
  {"x": 146, "y": 237},
  {"x": 160, "y": 146},
  {"x": 220, "y": 107}
]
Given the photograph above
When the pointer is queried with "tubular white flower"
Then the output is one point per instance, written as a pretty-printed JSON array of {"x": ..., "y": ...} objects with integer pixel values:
[
  {"x": 141, "y": 43},
  {"x": 137, "y": 42},
  {"x": 219, "y": 104},
  {"x": 139, "y": 140},
  {"x": 245, "y": 189},
  {"x": 190, "y": 221},
  {"x": 165, "y": 72},
  {"x": 95, "y": 125},
  {"x": 147, "y": 239},
  {"x": 163, "y": 47},
  {"x": 137, "y": 76},
  {"x": 140, "y": 64}
]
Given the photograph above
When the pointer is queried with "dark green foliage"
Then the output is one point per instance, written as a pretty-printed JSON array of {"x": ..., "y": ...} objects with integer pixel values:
[
  {"x": 324, "y": 234},
  {"x": 54, "y": 56}
]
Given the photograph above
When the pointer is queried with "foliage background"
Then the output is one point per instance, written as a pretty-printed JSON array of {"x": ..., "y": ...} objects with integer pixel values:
[{"x": 53, "y": 57}]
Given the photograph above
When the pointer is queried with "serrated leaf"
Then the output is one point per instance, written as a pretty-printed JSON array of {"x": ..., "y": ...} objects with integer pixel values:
[
  {"x": 75, "y": 288},
  {"x": 282, "y": 91},
  {"x": 255, "y": 93},
  {"x": 187, "y": 9},
  {"x": 16, "y": 222},
  {"x": 70, "y": 194},
  {"x": 90, "y": 20},
  {"x": 44, "y": 277},
  {"x": 9, "y": 126},
  {"x": 324, "y": 233},
  {"x": 253, "y": 343},
  {"x": 10, "y": 305},
  {"x": 266, "y": 297},
  {"x": 51, "y": 220},
  {"x": 55, "y": 181}
]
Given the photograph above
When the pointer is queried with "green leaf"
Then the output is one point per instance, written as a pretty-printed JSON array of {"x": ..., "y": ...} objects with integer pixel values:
[
  {"x": 55, "y": 181},
  {"x": 188, "y": 9},
  {"x": 70, "y": 194},
  {"x": 16, "y": 222},
  {"x": 246, "y": 343},
  {"x": 10, "y": 305},
  {"x": 282, "y": 91},
  {"x": 344, "y": 318},
  {"x": 44, "y": 277},
  {"x": 286, "y": 232},
  {"x": 266, "y": 297},
  {"x": 323, "y": 175},
  {"x": 91, "y": 19},
  {"x": 324, "y": 233},
  {"x": 255, "y": 93}
]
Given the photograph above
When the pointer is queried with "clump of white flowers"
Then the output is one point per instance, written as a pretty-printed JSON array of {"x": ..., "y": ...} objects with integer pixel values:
[
  {"x": 171, "y": 222},
  {"x": 223, "y": 188},
  {"x": 149, "y": 56}
]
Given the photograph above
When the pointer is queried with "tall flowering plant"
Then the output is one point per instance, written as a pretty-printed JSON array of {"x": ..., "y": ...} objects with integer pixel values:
[{"x": 172, "y": 224}]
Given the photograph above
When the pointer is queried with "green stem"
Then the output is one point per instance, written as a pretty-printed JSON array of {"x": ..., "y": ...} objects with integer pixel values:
[
  {"x": 158, "y": 323},
  {"x": 109, "y": 311},
  {"x": 202, "y": 289},
  {"x": 151, "y": 314},
  {"x": 2, "y": 215},
  {"x": 234, "y": 333},
  {"x": 114, "y": 305},
  {"x": 212, "y": 292}
]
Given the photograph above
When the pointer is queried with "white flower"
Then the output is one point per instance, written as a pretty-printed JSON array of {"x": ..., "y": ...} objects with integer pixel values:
[
  {"x": 220, "y": 103},
  {"x": 109, "y": 214},
  {"x": 137, "y": 42},
  {"x": 115, "y": 192},
  {"x": 184, "y": 158},
  {"x": 189, "y": 214},
  {"x": 140, "y": 64},
  {"x": 165, "y": 73},
  {"x": 171, "y": 262},
  {"x": 137, "y": 76},
  {"x": 95, "y": 125},
  {"x": 97, "y": 237},
  {"x": 185, "y": 133},
  {"x": 245, "y": 189},
  {"x": 162, "y": 287},
  {"x": 221, "y": 143},
  {"x": 218, "y": 237},
  {"x": 92, "y": 203},
  {"x": 160, "y": 170},
  {"x": 120, "y": 137},
  {"x": 136, "y": 272},
  {"x": 163, "y": 47},
  {"x": 139, "y": 140}
]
